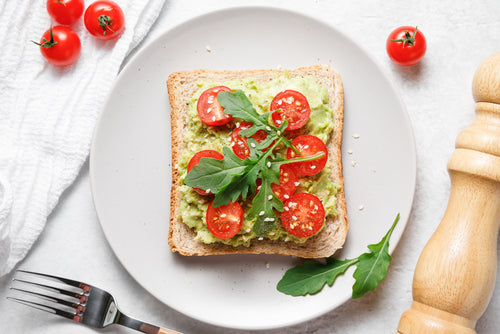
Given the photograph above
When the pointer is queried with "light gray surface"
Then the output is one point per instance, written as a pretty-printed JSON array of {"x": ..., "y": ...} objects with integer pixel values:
[{"x": 437, "y": 94}]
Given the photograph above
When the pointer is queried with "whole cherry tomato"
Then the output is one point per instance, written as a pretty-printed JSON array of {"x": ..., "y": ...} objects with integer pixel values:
[
  {"x": 104, "y": 19},
  {"x": 65, "y": 11},
  {"x": 60, "y": 46},
  {"x": 406, "y": 45}
]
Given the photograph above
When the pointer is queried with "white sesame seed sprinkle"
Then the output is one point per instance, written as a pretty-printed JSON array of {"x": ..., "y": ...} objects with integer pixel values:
[
  {"x": 361, "y": 207},
  {"x": 209, "y": 110},
  {"x": 208, "y": 190},
  {"x": 268, "y": 128},
  {"x": 279, "y": 132},
  {"x": 353, "y": 163},
  {"x": 296, "y": 183},
  {"x": 286, "y": 196},
  {"x": 261, "y": 213},
  {"x": 269, "y": 164},
  {"x": 253, "y": 145},
  {"x": 313, "y": 167},
  {"x": 349, "y": 152},
  {"x": 294, "y": 218},
  {"x": 208, "y": 48},
  {"x": 261, "y": 238},
  {"x": 223, "y": 215},
  {"x": 356, "y": 136}
]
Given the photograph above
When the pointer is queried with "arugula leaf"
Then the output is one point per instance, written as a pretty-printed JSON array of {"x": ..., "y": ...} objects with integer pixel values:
[
  {"x": 311, "y": 277},
  {"x": 214, "y": 174},
  {"x": 266, "y": 201},
  {"x": 372, "y": 266}
]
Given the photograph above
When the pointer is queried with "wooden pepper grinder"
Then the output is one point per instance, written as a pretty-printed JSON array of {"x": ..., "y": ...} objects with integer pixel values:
[{"x": 456, "y": 272}]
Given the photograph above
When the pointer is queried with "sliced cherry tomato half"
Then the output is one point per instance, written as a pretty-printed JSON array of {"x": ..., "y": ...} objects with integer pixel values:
[
  {"x": 65, "y": 11},
  {"x": 209, "y": 108},
  {"x": 287, "y": 184},
  {"x": 304, "y": 215},
  {"x": 225, "y": 221},
  {"x": 196, "y": 159},
  {"x": 292, "y": 106},
  {"x": 308, "y": 145},
  {"x": 239, "y": 144}
]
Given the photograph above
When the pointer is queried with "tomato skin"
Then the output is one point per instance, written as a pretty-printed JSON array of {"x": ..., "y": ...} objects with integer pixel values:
[
  {"x": 304, "y": 215},
  {"x": 196, "y": 159},
  {"x": 292, "y": 106},
  {"x": 209, "y": 108},
  {"x": 224, "y": 221},
  {"x": 407, "y": 54},
  {"x": 308, "y": 145},
  {"x": 239, "y": 144},
  {"x": 108, "y": 29},
  {"x": 287, "y": 183},
  {"x": 66, "y": 51},
  {"x": 65, "y": 12}
]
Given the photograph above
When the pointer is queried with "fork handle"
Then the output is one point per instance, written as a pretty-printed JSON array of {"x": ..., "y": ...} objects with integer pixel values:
[{"x": 167, "y": 331}]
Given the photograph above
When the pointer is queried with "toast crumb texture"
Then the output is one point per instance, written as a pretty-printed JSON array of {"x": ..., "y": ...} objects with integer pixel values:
[{"x": 181, "y": 87}]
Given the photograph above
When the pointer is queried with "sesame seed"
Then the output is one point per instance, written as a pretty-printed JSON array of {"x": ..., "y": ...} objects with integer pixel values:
[
  {"x": 208, "y": 190},
  {"x": 233, "y": 143},
  {"x": 294, "y": 218},
  {"x": 279, "y": 132},
  {"x": 268, "y": 128},
  {"x": 296, "y": 183},
  {"x": 209, "y": 110},
  {"x": 248, "y": 230},
  {"x": 261, "y": 238},
  {"x": 353, "y": 163},
  {"x": 213, "y": 118},
  {"x": 355, "y": 136},
  {"x": 361, "y": 207},
  {"x": 286, "y": 196},
  {"x": 261, "y": 213},
  {"x": 313, "y": 167},
  {"x": 280, "y": 102},
  {"x": 223, "y": 215},
  {"x": 272, "y": 233},
  {"x": 238, "y": 124},
  {"x": 349, "y": 152},
  {"x": 253, "y": 145},
  {"x": 208, "y": 48},
  {"x": 286, "y": 208},
  {"x": 270, "y": 197},
  {"x": 269, "y": 164},
  {"x": 306, "y": 147}
]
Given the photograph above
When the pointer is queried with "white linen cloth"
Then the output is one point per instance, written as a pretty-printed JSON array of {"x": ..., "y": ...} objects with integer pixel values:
[{"x": 47, "y": 114}]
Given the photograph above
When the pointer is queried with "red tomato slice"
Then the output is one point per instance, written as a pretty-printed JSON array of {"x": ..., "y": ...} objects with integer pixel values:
[
  {"x": 287, "y": 185},
  {"x": 209, "y": 109},
  {"x": 225, "y": 221},
  {"x": 292, "y": 106},
  {"x": 239, "y": 144},
  {"x": 196, "y": 159},
  {"x": 304, "y": 215},
  {"x": 308, "y": 145}
]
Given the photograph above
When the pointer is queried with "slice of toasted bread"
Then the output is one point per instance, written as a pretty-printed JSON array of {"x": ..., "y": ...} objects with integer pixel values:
[{"x": 181, "y": 87}]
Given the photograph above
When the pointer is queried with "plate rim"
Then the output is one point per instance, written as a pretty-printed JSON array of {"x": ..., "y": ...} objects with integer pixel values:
[{"x": 134, "y": 55}]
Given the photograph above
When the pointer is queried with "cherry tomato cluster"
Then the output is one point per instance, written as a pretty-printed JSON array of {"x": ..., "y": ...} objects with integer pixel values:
[
  {"x": 60, "y": 45},
  {"x": 304, "y": 213}
]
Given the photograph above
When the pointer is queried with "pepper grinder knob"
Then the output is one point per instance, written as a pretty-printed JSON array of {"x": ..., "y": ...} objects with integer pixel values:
[{"x": 455, "y": 275}]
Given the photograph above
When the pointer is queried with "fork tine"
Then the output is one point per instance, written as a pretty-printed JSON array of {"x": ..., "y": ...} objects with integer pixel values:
[
  {"x": 50, "y": 298},
  {"x": 49, "y": 309},
  {"x": 61, "y": 279},
  {"x": 52, "y": 288}
]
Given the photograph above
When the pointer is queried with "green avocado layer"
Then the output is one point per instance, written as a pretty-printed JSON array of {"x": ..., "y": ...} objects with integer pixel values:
[{"x": 199, "y": 137}]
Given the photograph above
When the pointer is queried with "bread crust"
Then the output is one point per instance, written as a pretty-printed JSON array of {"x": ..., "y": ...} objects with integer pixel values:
[{"x": 181, "y": 87}]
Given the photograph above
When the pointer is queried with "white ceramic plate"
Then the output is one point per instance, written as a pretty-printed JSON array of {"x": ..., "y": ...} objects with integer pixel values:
[{"x": 130, "y": 164}]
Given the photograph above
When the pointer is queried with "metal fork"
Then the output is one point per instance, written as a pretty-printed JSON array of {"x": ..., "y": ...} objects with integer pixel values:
[{"x": 78, "y": 301}]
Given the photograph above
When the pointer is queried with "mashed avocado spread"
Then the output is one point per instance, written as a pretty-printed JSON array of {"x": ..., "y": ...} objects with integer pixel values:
[{"x": 199, "y": 137}]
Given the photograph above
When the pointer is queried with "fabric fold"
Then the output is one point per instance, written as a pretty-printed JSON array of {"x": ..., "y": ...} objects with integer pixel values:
[{"x": 48, "y": 114}]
